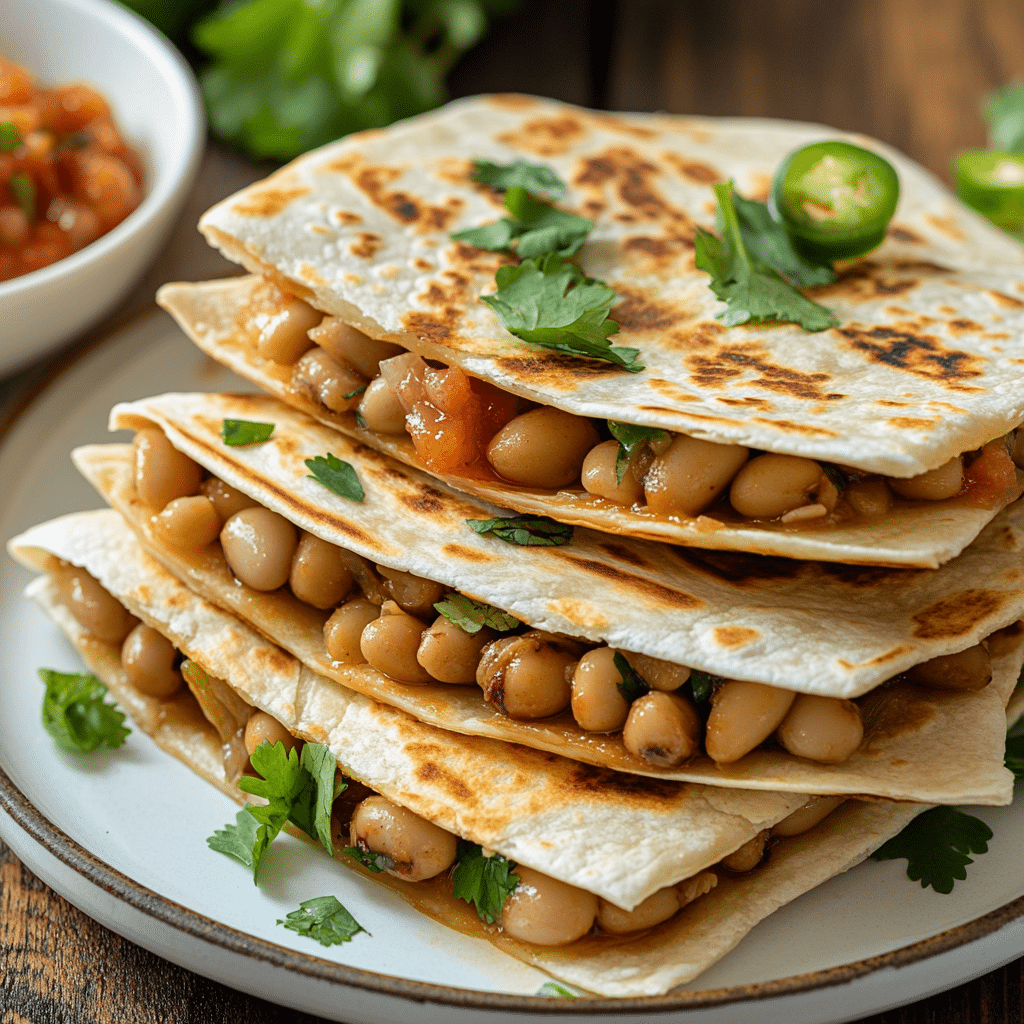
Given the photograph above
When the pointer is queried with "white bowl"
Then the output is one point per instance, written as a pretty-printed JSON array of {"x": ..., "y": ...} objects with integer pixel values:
[{"x": 158, "y": 109}]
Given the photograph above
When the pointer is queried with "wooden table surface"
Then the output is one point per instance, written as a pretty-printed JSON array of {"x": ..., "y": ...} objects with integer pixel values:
[{"x": 910, "y": 72}]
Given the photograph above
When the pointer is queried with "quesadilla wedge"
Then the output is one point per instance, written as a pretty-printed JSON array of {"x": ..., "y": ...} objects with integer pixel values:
[
  {"x": 919, "y": 374},
  {"x": 910, "y": 742},
  {"x": 572, "y": 828}
]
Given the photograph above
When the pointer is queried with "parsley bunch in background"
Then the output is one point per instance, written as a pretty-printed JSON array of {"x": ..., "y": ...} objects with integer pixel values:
[{"x": 284, "y": 76}]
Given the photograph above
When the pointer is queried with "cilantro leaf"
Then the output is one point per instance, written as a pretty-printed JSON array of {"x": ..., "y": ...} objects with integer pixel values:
[
  {"x": 535, "y": 178},
  {"x": 552, "y": 988},
  {"x": 768, "y": 242},
  {"x": 1004, "y": 112},
  {"x": 336, "y": 475},
  {"x": 76, "y": 715},
  {"x": 242, "y": 432},
  {"x": 752, "y": 290},
  {"x": 837, "y": 477},
  {"x": 483, "y": 881},
  {"x": 536, "y": 228},
  {"x": 632, "y": 437},
  {"x": 702, "y": 685},
  {"x": 1015, "y": 755},
  {"x": 526, "y": 531},
  {"x": 471, "y": 616},
  {"x": 375, "y": 862},
  {"x": 24, "y": 189},
  {"x": 936, "y": 845},
  {"x": 633, "y": 684},
  {"x": 10, "y": 137},
  {"x": 324, "y": 919},
  {"x": 311, "y": 810},
  {"x": 552, "y": 303},
  {"x": 246, "y": 841}
]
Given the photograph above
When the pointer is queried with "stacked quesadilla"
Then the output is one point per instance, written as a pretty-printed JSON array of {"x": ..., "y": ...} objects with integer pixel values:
[{"x": 669, "y": 709}]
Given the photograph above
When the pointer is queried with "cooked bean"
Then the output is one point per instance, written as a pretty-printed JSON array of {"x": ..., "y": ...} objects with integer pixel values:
[
  {"x": 419, "y": 848},
  {"x": 189, "y": 523},
  {"x": 318, "y": 573},
  {"x": 542, "y": 448},
  {"x": 334, "y": 385},
  {"x": 772, "y": 485},
  {"x": 749, "y": 855},
  {"x": 658, "y": 907},
  {"x": 824, "y": 729},
  {"x": 970, "y": 669},
  {"x": 599, "y": 476},
  {"x": 258, "y": 545},
  {"x": 547, "y": 912},
  {"x": 346, "y": 344},
  {"x": 695, "y": 886},
  {"x": 96, "y": 610},
  {"x": 657, "y": 673},
  {"x": 380, "y": 408},
  {"x": 283, "y": 336},
  {"x": 162, "y": 473},
  {"x": 390, "y": 643},
  {"x": 690, "y": 475},
  {"x": 869, "y": 497},
  {"x": 597, "y": 704},
  {"x": 743, "y": 714},
  {"x": 225, "y": 498},
  {"x": 662, "y": 729},
  {"x": 944, "y": 482},
  {"x": 806, "y": 817},
  {"x": 147, "y": 658},
  {"x": 412, "y": 594},
  {"x": 262, "y": 726},
  {"x": 343, "y": 630},
  {"x": 449, "y": 653},
  {"x": 526, "y": 676}
]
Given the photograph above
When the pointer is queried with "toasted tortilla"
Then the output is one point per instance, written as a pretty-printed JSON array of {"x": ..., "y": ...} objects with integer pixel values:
[
  {"x": 219, "y": 317},
  {"x": 584, "y": 817},
  {"x": 918, "y": 745},
  {"x": 612, "y": 834}
]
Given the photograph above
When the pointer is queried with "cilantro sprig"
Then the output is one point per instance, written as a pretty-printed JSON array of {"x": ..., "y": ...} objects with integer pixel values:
[
  {"x": 632, "y": 438},
  {"x": 375, "y": 862},
  {"x": 242, "y": 432},
  {"x": 552, "y": 988},
  {"x": 702, "y": 685},
  {"x": 751, "y": 288},
  {"x": 526, "y": 531},
  {"x": 633, "y": 684},
  {"x": 471, "y": 616},
  {"x": 936, "y": 844},
  {"x": 336, "y": 475},
  {"x": 486, "y": 882},
  {"x": 536, "y": 178},
  {"x": 325, "y": 919},
  {"x": 75, "y": 714},
  {"x": 297, "y": 788}
]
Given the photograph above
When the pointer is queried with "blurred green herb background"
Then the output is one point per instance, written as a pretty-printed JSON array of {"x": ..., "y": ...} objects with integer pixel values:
[{"x": 283, "y": 76}]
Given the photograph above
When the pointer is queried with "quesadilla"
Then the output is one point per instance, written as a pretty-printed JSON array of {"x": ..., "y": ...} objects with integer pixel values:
[
  {"x": 595, "y": 829},
  {"x": 665, "y": 615},
  {"x": 909, "y": 402}
]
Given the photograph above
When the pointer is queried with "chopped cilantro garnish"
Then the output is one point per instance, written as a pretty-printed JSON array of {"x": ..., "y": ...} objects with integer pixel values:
[
  {"x": 485, "y": 882},
  {"x": 361, "y": 422},
  {"x": 752, "y": 289},
  {"x": 936, "y": 845},
  {"x": 632, "y": 437},
  {"x": 375, "y": 862},
  {"x": 552, "y": 988},
  {"x": 551, "y": 302},
  {"x": 535, "y": 178},
  {"x": 336, "y": 475},
  {"x": 702, "y": 685},
  {"x": 471, "y": 616},
  {"x": 24, "y": 189},
  {"x": 76, "y": 715},
  {"x": 1015, "y": 755},
  {"x": 324, "y": 919},
  {"x": 354, "y": 392},
  {"x": 526, "y": 531},
  {"x": 10, "y": 137},
  {"x": 633, "y": 684},
  {"x": 837, "y": 477},
  {"x": 241, "y": 432}
]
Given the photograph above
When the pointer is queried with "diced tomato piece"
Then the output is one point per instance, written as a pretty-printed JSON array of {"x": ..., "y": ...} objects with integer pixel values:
[
  {"x": 990, "y": 477},
  {"x": 15, "y": 83}
]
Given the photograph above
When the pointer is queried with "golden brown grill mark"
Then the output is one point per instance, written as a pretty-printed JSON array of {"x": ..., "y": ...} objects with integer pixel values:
[
  {"x": 547, "y": 136},
  {"x": 430, "y": 326},
  {"x": 656, "y": 591},
  {"x": 916, "y": 352},
  {"x": 624, "y": 554},
  {"x": 468, "y": 554},
  {"x": 947, "y": 225},
  {"x": 269, "y": 202},
  {"x": 889, "y": 713},
  {"x": 910, "y": 422},
  {"x": 734, "y": 636},
  {"x": 558, "y": 370},
  {"x": 693, "y": 170},
  {"x": 1003, "y": 299},
  {"x": 427, "y": 499},
  {"x": 729, "y": 364},
  {"x": 431, "y": 773},
  {"x": 366, "y": 245},
  {"x": 898, "y": 233},
  {"x": 636, "y": 312},
  {"x": 586, "y": 778},
  {"x": 956, "y": 615},
  {"x": 796, "y": 428}
]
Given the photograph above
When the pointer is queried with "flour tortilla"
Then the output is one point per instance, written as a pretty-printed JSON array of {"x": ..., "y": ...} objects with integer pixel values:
[
  {"x": 219, "y": 316},
  {"x": 650, "y": 964},
  {"x": 919, "y": 745},
  {"x": 924, "y": 364}
]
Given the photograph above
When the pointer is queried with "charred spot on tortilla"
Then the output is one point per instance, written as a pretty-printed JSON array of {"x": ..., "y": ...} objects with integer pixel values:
[
  {"x": 879, "y": 659},
  {"x": 693, "y": 170},
  {"x": 955, "y": 616},
  {"x": 427, "y": 771},
  {"x": 586, "y": 778},
  {"x": 888, "y": 713},
  {"x": 366, "y": 246},
  {"x": 625, "y": 554},
  {"x": 920, "y": 354},
  {"x": 739, "y": 568},
  {"x": 427, "y": 499},
  {"x": 468, "y": 554},
  {"x": 865, "y": 576},
  {"x": 638, "y": 312},
  {"x": 734, "y": 636},
  {"x": 901, "y": 233},
  {"x": 269, "y": 202},
  {"x": 547, "y": 136},
  {"x": 431, "y": 327},
  {"x": 558, "y": 370},
  {"x": 655, "y": 591},
  {"x": 1002, "y": 299}
]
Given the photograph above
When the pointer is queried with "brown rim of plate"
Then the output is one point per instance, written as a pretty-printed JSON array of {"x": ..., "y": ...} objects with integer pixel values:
[{"x": 100, "y": 874}]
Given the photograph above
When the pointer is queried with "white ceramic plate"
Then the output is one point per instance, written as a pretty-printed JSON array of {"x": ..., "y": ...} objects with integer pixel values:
[{"x": 122, "y": 834}]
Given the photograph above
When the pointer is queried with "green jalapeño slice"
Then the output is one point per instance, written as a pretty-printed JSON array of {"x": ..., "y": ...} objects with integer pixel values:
[
  {"x": 835, "y": 199},
  {"x": 993, "y": 183}
]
